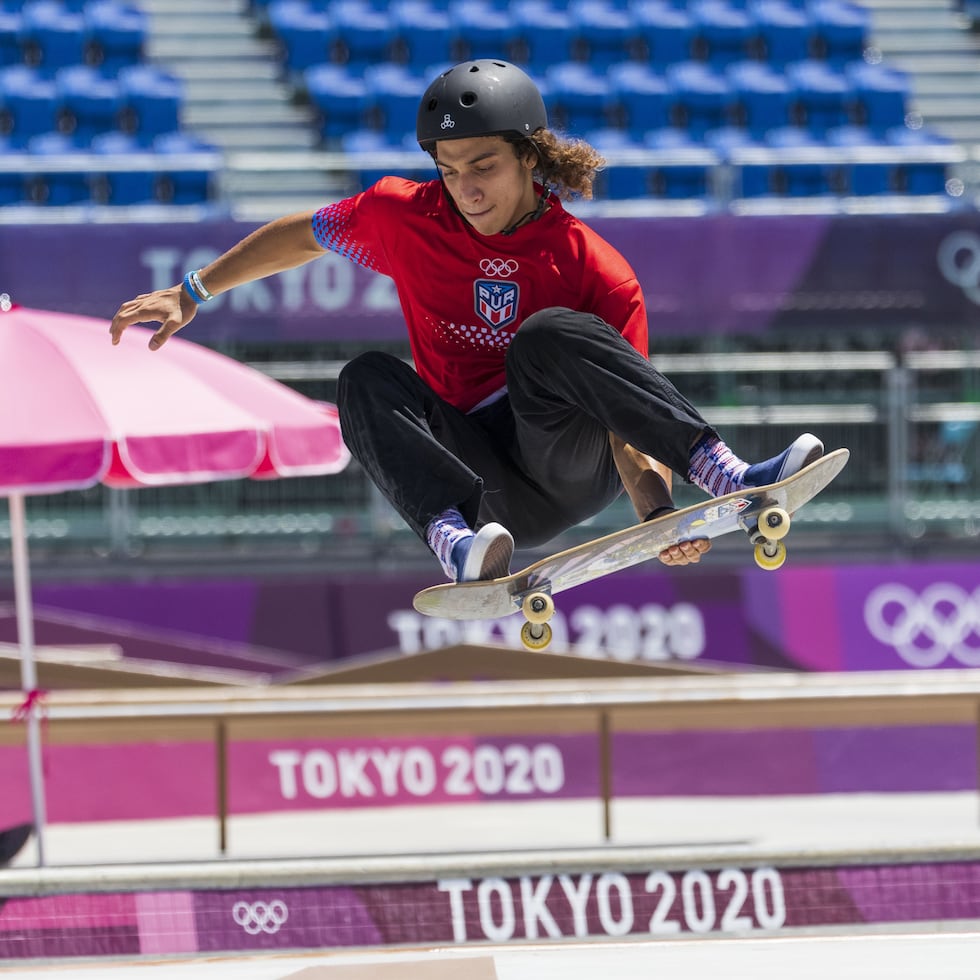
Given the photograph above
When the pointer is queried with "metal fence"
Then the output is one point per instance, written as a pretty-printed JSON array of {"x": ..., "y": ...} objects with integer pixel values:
[{"x": 911, "y": 421}]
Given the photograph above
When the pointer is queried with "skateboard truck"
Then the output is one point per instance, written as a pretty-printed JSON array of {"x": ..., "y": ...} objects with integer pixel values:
[
  {"x": 538, "y": 608},
  {"x": 766, "y": 529}
]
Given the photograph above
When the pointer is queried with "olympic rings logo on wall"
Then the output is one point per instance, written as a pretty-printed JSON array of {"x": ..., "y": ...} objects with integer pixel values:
[
  {"x": 958, "y": 259},
  {"x": 944, "y": 621},
  {"x": 256, "y": 917}
]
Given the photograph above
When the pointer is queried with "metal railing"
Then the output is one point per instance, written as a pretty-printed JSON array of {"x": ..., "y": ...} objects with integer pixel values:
[
  {"x": 602, "y": 710},
  {"x": 911, "y": 421}
]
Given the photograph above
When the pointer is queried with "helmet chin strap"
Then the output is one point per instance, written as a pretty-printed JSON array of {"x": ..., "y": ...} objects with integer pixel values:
[
  {"x": 531, "y": 215},
  {"x": 523, "y": 220}
]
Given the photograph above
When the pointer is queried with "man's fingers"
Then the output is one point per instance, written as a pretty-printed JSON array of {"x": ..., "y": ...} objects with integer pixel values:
[
  {"x": 685, "y": 552},
  {"x": 134, "y": 311},
  {"x": 164, "y": 307}
]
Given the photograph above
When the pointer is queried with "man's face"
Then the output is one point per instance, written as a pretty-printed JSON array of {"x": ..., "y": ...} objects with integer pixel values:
[{"x": 491, "y": 187}]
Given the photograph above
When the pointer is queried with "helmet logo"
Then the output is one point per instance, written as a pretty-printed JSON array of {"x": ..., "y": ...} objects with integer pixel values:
[{"x": 447, "y": 122}]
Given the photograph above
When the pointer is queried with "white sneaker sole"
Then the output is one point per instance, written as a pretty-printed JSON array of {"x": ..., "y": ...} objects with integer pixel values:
[
  {"x": 805, "y": 450},
  {"x": 490, "y": 554}
]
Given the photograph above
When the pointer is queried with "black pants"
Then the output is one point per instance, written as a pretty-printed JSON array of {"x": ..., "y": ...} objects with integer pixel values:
[{"x": 537, "y": 460}]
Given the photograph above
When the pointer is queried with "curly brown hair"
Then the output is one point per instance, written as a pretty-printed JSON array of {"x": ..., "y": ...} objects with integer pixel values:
[{"x": 567, "y": 165}]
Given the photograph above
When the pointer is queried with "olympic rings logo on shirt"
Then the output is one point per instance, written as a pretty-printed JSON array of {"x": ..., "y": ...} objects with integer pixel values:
[
  {"x": 498, "y": 267},
  {"x": 958, "y": 259},
  {"x": 256, "y": 917},
  {"x": 926, "y": 629}
]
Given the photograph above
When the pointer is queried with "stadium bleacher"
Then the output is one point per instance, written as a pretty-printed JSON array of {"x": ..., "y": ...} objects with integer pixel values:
[
  {"x": 80, "y": 107},
  {"x": 779, "y": 91},
  {"x": 775, "y": 91}
]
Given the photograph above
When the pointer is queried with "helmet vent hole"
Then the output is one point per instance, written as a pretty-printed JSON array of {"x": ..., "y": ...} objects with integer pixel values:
[{"x": 468, "y": 99}]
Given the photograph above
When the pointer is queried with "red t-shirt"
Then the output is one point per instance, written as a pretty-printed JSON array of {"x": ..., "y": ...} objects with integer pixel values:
[{"x": 463, "y": 294}]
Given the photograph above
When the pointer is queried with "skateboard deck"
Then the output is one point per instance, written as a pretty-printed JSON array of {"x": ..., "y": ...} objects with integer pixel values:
[{"x": 761, "y": 512}]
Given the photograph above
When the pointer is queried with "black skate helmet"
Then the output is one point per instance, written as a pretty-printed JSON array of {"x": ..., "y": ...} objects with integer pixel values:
[{"x": 479, "y": 98}]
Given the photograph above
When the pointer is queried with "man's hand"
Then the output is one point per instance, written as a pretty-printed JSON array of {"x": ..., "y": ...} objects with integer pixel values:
[
  {"x": 685, "y": 552},
  {"x": 172, "y": 308}
]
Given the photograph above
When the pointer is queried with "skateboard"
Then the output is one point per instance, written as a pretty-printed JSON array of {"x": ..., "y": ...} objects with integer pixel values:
[{"x": 763, "y": 513}]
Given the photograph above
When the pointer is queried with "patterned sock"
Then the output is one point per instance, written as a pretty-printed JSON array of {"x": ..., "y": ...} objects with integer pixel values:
[
  {"x": 715, "y": 468},
  {"x": 442, "y": 534}
]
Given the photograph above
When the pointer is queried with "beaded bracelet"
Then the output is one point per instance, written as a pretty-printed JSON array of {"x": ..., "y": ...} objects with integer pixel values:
[{"x": 196, "y": 289}]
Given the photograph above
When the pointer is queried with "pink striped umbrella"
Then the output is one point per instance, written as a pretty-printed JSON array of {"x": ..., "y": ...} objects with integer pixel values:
[{"x": 75, "y": 411}]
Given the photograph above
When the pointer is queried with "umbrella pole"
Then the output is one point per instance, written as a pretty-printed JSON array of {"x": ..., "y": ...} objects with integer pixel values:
[{"x": 28, "y": 669}]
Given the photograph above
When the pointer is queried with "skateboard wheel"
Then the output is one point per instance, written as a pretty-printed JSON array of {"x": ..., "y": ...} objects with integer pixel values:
[
  {"x": 770, "y": 555},
  {"x": 774, "y": 523},
  {"x": 535, "y": 636},
  {"x": 538, "y": 607}
]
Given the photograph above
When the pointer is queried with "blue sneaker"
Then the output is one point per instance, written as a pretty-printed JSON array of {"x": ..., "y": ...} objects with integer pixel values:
[
  {"x": 802, "y": 452},
  {"x": 484, "y": 555}
]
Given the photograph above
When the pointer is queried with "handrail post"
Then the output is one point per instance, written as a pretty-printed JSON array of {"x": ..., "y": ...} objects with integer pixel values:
[
  {"x": 605, "y": 773},
  {"x": 899, "y": 390},
  {"x": 221, "y": 779}
]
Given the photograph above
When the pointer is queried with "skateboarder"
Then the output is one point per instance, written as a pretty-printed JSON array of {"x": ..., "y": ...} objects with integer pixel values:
[{"x": 532, "y": 396}]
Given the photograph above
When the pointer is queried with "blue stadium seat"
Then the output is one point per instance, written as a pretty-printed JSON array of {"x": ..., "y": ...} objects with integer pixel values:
[
  {"x": 28, "y": 105},
  {"x": 824, "y": 97},
  {"x": 579, "y": 98},
  {"x": 307, "y": 36},
  {"x": 668, "y": 32},
  {"x": 545, "y": 30},
  {"x": 90, "y": 103},
  {"x": 482, "y": 30},
  {"x": 725, "y": 33},
  {"x": 361, "y": 145},
  {"x": 152, "y": 100},
  {"x": 370, "y": 152},
  {"x": 729, "y": 138},
  {"x": 12, "y": 185},
  {"x": 881, "y": 95},
  {"x": 117, "y": 34},
  {"x": 786, "y": 31},
  {"x": 924, "y": 168},
  {"x": 187, "y": 169},
  {"x": 682, "y": 168},
  {"x": 424, "y": 33},
  {"x": 805, "y": 165},
  {"x": 395, "y": 93},
  {"x": 129, "y": 178},
  {"x": 642, "y": 96},
  {"x": 842, "y": 30},
  {"x": 365, "y": 35},
  {"x": 604, "y": 34},
  {"x": 11, "y": 51},
  {"x": 621, "y": 179},
  {"x": 53, "y": 36},
  {"x": 703, "y": 98},
  {"x": 341, "y": 100},
  {"x": 57, "y": 181},
  {"x": 764, "y": 96},
  {"x": 868, "y": 173}
]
